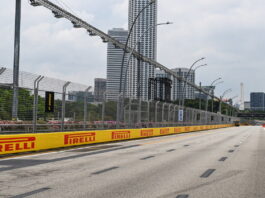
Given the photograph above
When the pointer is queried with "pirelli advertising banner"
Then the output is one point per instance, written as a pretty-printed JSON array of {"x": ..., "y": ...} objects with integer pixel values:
[{"x": 43, "y": 141}]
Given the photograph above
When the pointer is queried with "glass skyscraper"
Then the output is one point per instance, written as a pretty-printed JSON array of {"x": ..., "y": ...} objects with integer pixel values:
[
  {"x": 137, "y": 79},
  {"x": 178, "y": 87},
  {"x": 114, "y": 60},
  {"x": 257, "y": 101}
]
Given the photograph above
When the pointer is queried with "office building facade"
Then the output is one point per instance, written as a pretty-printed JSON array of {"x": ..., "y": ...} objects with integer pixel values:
[
  {"x": 257, "y": 101},
  {"x": 178, "y": 91},
  {"x": 247, "y": 105},
  {"x": 100, "y": 89},
  {"x": 79, "y": 96},
  {"x": 114, "y": 61},
  {"x": 200, "y": 95},
  {"x": 160, "y": 87},
  {"x": 139, "y": 72}
]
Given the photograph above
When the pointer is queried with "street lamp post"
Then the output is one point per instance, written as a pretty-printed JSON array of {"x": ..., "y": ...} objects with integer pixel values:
[
  {"x": 232, "y": 109},
  {"x": 232, "y": 98},
  {"x": 200, "y": 97},
  {"x": 206, "y": 106},
  {"x": 221, "y": 98},
  {"x": 156, "y": 112},
  {"x": 125, "y": 51},
  {"x": 212, "y": 89},
  {"x": 129, "y": 59},
  {"x": 200, "y": 84},
  {"x": 16, "y": 60},
  {"x": 184, "y": 91},
  {"x": 184, "y": 86},
  {"x": 134, "y": 48},
  {"x": 129, "y": 36}
]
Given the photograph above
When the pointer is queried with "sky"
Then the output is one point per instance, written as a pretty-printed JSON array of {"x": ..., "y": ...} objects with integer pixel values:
[{"x": 229, "y": 33}]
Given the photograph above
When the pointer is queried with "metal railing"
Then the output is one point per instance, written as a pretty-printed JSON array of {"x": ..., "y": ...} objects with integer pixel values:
[{"x": 74, "y": 109}]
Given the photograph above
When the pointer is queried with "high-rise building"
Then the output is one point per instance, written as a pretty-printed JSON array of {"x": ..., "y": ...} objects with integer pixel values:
[
  {"x": 160, "y": 87},
  {"x": 178, "y": 86},
  {"x": 114, "y": 61},
  {"x": 257, "y": 101},
  {"x": 247, "y": 105},
  {"x": 78, "y": 96},
  {"x": 139, "y": 72},
  {"x": 100, "y": 89},
  {"x": 200, "y": 95}
]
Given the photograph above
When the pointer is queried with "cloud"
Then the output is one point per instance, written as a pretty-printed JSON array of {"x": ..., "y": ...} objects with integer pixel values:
[{"x": 229, "y": 33}]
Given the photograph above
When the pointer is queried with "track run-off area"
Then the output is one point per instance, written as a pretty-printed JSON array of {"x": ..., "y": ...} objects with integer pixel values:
[{"x": 217, "y": 163}]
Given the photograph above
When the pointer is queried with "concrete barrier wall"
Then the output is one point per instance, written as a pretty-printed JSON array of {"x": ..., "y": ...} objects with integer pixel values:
[{"x": 42, "y": 141}]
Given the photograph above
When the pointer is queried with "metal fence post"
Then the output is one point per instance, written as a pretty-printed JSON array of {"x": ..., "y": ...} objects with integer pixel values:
[
  {"x": 192, "y": 118},
  {"x": 200, "y": 97},
  {"x": 212, "y": 104},
  {"x": 169, "y": 112},
  {"x": 163, "y": 112},
  {"x": 174, "y": 115},
  {"x": 63, "y": 104},
  {"x": 206, "y": 109},
  {"x": 140, "y": 112},
  {"x": 156, "y": 111},
  {"x": 186, "y": 116},
  {"x": 185, "y": 113},
  {"x": 85, "y": 106},
  {"x": 129, "y": 114},
  {"x": 103, "y": 109},
  {"x": 220, "y": 105},
  {"x": 201, "y": 117},
  {"x": 2, "y": 70},
  {"x": 35, "y": 102},
  {"x": 122, "y": 109},
  {"x": 118, "y": 111},
  {"x": 148, "y": 111}
]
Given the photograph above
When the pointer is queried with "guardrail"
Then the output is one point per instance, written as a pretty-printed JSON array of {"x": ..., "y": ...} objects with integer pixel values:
[
  {"x": 90, "y": 126},
  {"x": 43, "y": 141}
]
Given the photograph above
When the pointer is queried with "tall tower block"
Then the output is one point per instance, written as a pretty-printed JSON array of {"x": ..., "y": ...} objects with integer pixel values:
[{"x": 137, "y": 81}]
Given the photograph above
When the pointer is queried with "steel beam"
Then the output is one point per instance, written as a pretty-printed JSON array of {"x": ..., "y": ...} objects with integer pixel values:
[{"x": 93, "y": 31}]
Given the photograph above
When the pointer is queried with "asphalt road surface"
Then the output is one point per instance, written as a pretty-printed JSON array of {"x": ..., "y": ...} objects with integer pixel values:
[{"x": 222, "y": 163}]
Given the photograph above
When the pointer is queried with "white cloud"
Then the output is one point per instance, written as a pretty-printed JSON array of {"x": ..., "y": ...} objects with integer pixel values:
[{"x": 230, "y": 33}]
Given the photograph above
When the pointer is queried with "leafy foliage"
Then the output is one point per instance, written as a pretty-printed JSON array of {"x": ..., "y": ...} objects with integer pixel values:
[{"x": 74, "y": 109}]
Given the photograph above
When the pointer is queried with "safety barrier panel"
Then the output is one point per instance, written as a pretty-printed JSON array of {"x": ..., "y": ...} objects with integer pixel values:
[{"x": 43, "y": 141}]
